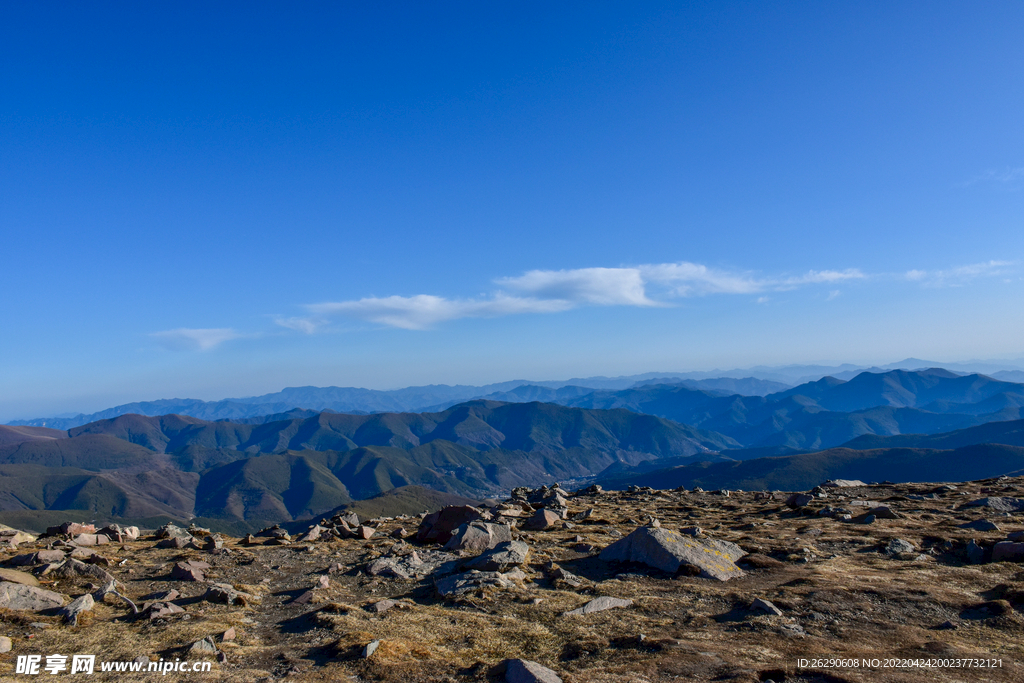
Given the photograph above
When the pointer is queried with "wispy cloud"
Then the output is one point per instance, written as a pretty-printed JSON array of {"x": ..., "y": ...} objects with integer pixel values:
[
  {"x": 1007, "y": 177},
  {"x": 424, "y": 310},
  {"x": 189, "y": 339},
  {"x": 552, "y": 291},
  {"x": 959, "y": 275}
]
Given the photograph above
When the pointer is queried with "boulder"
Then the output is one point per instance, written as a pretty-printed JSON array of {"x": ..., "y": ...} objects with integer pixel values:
[
  {"x": 901, "y": 549},
  {"x": 478, "y": 536},
  {"x": 979, "y": 525},
  {"x": 186, "y": 571},
  {"x": 70, "y": 612},
  {"x": 73, "y": 569},
  {"x": 542, "y": 519},
  {"x": 1008, "y": 551},
  {"x": 798, "y": 500},
  {"x": 18, "y": 596},
  {"x": 599, "y": 605},
  {"x": 765, "y": 606},
  {"x": 670, "y": 551},
  {"x": 365, "y": 532},
  {"x": 884, "y": 512},
  {"x": 225, "y": 594},
  {"x": 89, "y": 540},
  {"x": 438, "y": 527},
  {"x": 172, "y": 530},
  {"x": 842, "y": 483},
  {"x": 71, "y": 529},
  {"x": 525, "y": 671},
  {"x": 177, "y": 542},
  {"x": 502, "y": 557}
]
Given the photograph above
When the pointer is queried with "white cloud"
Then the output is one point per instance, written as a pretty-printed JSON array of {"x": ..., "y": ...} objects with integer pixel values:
[
  {"x": 959, "y": 275},
  {"x": 424, "y": 311},
  {"x": 690, "y": 279},
  {"x": 1007, "y": 177},
  {"x": 552, "y": 291},
  {"x": 597, "y": 286},
  {"x": 188, "y": 339}
]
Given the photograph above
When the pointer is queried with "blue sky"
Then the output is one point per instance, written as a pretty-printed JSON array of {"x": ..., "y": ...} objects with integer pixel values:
[{"x": 211, "y": 201}]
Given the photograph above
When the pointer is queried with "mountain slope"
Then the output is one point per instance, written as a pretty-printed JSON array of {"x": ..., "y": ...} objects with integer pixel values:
[{"x": 806, "y": 470}]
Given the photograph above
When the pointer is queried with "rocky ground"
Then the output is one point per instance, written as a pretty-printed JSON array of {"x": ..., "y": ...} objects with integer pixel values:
[{"x": 907, "y": 582}]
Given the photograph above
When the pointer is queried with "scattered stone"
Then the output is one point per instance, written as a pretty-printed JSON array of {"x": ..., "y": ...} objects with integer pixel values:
[
  {"x": 187, "y": 571},
  {"x": 884, "y": 512},
  {"x": 901, "y": 549},
  {"x": 212, "y": 542},
  {"x": 670, "y": 551},
  {"x": 5, "y": 644},
  {"x": 799, "y": 500},
  {"x": 226, "y": 594},
  {"x": 161, "y": 610},
  {"x": 177, "y": 542},
  {"x": 439, "y": 526},
  {"x": 70, "y": 612},
  {"x": 478, "y": 536},
  {"x": 998, "y": 504},
  {"x": 525, "y": 671},
  {"x": 766, "y": 606},
  {"x": 1008, "y": 551},
  {"x": 365, "y": 532},
  {"x": 382, "y": 606},
  {"x": 370, "y": 648},
  {"x": 541, "y": 520},
  {"x": 204, "y": 646},
  {"x": 228, "y": 636},
  {"x": 323, "y": 582},
  {"x": 18, "y": 596},
  {"x": 73, "y": 569},
  {"x": 979, "y": 525},
  {"x": 975, "y": 553},
  {"x": 842, "y": 483},
  {"x": 460, "y": 584},
  {"x": 599, "y": 605},
  {"x": 502, "y": 557}
]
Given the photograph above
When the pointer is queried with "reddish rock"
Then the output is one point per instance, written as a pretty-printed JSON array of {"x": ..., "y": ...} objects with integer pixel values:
[{"x": 439, "y": 526}]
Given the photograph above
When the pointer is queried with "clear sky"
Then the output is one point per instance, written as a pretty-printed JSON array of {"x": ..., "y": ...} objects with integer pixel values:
[{"x": 223, "y": 199}]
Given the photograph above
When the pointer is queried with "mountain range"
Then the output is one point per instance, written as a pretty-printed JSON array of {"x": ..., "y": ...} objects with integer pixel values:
[
  {"x": 757, "y": 381},
  {"x": 301, "y": 463}
]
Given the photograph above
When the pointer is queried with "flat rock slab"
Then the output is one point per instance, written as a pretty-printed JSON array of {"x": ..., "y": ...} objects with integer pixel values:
[
  {"x": 999, "y": 504},
  {"x": 669, "y": 551},
  {"x": 599, "y": 605},
  {"x": 21, "y": 597},
  {"x": 15, "y": 576},
  {"x": 525, "y": 671}
]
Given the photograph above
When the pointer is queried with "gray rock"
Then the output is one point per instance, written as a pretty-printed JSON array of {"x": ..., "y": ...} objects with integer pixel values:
[
  {"x": 73, "y": 569},
  {"x": 382, "y": 606},
  {"x": 388, "y": 566},
  {"x": 599, "y": 605},
  {"x": 980, "y": 525},
  {"x": 212, "y": 542},
  {"x": 1016, "y": 536},
  {"x": 204, "y": 646},
  {"x": 998, "y": 504},
  {"x": 525, "y": 671},
  {"x": 765, "y": 606},
  {"x": 75, "y": 608},
  {"x": 898, "y": 547},
  {"x": 478, "y": 536},
  {"x": 172, "y": 530},
  {"x": 176, "y": 542},
  {"x": 1008, "y": 551},
  {"x": 468, "y": 582},
  {"x": 798, "y": 500},
  {"x": 670, "y": 551},
  {"x": 542, "y": 519},
  {"x": 5, "y": 644},
  {"x": 868, "y": 519},
  {"x": 370, "y": 648},
  {"x": 225, "y": 593},
  {"x": 438, "y": 526},
  {"x": 18, "y": 596},
  {"x": 843, "y": 483},
  {"x": 502, "y": 557},
  {"x": 884, "y": 512},
  {"x": 975, "y": 553}
]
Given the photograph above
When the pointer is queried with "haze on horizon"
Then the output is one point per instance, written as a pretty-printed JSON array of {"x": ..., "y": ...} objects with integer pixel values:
[{"x": 223, "y": 201}]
